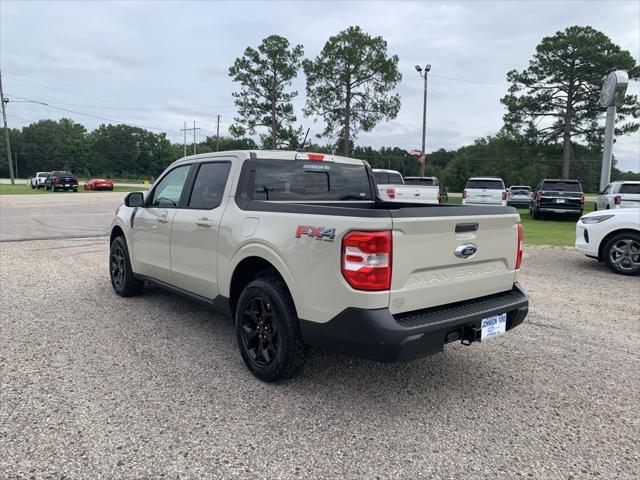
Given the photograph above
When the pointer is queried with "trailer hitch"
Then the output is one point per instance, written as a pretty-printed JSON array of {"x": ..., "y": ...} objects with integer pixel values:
[{"x": 470, "y": 335}]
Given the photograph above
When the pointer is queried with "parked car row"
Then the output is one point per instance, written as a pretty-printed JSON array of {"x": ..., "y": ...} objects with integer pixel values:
[{"x": 67, "y": 181}]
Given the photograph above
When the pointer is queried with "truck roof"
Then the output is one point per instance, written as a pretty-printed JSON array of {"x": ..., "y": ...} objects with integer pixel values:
[
  {"x": 384, "y": 170},
  {"x": 269, "y": 154}
]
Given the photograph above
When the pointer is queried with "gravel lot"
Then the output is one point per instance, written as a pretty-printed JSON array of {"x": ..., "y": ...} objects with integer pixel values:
[{"x": 97, "y": 386}]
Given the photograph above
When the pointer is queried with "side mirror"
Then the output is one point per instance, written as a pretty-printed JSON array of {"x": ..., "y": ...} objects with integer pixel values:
[{"x": 134, "y": 199}]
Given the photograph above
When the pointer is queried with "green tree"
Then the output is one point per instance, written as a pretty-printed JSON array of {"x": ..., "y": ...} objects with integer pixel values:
[
  {"x": 349, "y": 85},
  {"x": 54, "y": 145},
  {"x": 263, "y": 100},
  {"x": 126, "y": 151},
  {"x": 556, "y": 97}
]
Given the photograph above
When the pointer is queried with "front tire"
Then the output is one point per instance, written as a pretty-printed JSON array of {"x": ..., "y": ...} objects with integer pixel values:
[
  {"x": 122, "y": 279},
  {"x": 268, "y": 331},
  {"x": 622, "y": 253}
]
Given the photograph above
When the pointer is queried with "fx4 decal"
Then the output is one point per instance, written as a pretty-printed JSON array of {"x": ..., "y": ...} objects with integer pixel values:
[{"x": 319, "y": 233}]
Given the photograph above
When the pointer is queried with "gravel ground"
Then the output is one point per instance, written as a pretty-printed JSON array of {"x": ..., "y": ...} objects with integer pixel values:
[{"x": 97, "y": 386}]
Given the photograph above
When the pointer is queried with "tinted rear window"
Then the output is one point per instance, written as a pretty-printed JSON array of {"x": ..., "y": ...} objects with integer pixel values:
[
  {"x": 630, "y": 188},
  {"x": 486, "y": 184},
  {"x": 384, "y": 178},
  {"x": 308, "y": 181},
  {"x": 429, "y": 182},
  {"x": 561, "y": 186}
]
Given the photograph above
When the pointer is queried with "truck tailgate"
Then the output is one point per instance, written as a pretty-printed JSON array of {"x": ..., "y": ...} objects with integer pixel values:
[{"x": 426, "y": 272}]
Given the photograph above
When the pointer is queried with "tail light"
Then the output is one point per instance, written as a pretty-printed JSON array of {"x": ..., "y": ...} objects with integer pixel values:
[
  {"x": 538, "y": 196},
  {"x": 464, "y": 194},
  {"x": 617, "y": 199},
  {"x": 366, "y": 260},
  {"x": 391, "y": 192},
  {"x": 581, "y": 199},
  {"x": 504, "y": 195},
  {"x": 519, "y": 252},
  {"x": 529, "y": 194}
]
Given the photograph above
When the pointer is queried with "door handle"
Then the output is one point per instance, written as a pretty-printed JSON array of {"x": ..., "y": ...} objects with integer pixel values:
[
  {"x": 163, "y": 219},
  {"x": 204, "y": 222}
]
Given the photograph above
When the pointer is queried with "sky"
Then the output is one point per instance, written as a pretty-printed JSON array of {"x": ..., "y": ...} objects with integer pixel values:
[{"x": 158, "y": 64}]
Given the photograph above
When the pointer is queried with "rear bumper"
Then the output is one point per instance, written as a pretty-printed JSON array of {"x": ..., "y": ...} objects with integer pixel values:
[{"x": 379, "y": 335}]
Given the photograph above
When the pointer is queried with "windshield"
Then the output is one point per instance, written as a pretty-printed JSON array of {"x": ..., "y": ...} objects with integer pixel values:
[
  {"x": 561, "y": 186},
  {"x": 486, "y": 184},
  {"x": 307, "y": 180},
  {"x": 630, "y": 188}
]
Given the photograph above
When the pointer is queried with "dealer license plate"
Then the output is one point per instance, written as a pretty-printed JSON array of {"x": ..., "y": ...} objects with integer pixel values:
[
  {"x": 493, "y": 326},
  {"x": 559, "y": 200}
]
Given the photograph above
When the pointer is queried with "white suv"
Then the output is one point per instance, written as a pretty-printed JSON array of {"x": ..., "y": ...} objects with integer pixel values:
[
  {"x": 619, "y": 194},
  {"x": 484, "y": 191}
]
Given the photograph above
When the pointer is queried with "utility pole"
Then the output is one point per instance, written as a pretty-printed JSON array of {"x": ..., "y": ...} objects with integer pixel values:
[
  {"x": 184, "y": 143},
  {"x": 218, "y": 135},
  {"x": 6, "y": 132},
  {"x": 185, "y": 130},
  {"x": 425, "y": 76}
]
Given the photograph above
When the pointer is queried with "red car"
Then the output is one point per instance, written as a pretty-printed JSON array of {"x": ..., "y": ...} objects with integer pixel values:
[{"x": 98, "y": 184}]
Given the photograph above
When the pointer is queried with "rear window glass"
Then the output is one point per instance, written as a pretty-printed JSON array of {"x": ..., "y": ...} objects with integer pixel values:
[
  {"x": 307, "y": 180},
  {"x": 486, "y": 184},
  {"x": 384, "y": 178},
  {"x": 561, "y": 186},
  {"x": 428, "y": 182},
  {"x": 630, "y": 188}
]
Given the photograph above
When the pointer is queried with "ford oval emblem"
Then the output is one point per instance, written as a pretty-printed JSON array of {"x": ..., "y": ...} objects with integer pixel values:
[{"x": 465, "y": 251}]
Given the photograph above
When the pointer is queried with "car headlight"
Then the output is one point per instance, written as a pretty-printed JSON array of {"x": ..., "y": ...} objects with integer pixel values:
[{"x": 596, "y": 219}]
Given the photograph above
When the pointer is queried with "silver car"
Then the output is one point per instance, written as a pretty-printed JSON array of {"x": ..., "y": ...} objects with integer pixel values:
[{"x": 519, "y": 196}]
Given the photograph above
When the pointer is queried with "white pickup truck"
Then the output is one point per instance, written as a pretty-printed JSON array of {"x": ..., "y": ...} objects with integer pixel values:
[
  {"x": 297, "y": 249},
  {"x": 392, "y": 188}
]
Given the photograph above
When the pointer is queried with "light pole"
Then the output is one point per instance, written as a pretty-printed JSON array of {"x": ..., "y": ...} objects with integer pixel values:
[
  {"x": 613, "y": 90},
  {"x": 425, "y": 76}
]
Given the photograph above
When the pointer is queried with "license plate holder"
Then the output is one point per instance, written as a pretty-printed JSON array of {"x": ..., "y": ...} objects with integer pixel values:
[{"x": 493, "y": 326}]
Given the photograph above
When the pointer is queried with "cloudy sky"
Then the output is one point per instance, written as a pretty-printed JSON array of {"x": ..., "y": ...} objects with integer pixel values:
[{"x": 158, "y": 64}]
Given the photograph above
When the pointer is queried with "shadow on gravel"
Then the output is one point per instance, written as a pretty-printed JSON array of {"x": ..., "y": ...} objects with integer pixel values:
[{"x": 340, "y": 380}]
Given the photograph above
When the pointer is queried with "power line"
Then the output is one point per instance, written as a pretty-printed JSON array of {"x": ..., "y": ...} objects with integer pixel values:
[{"x": 38, "y": 102}]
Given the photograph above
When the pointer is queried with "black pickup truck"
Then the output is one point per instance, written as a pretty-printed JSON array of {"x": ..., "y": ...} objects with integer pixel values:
[
  {"x": 558, "y": 196},
  {"x": 61, "y": 180}
]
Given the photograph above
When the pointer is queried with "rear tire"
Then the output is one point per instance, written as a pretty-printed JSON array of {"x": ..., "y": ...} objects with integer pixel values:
[
  {"x": 268, "y": 330},
  {"x": 122, "y": 279},
  {"x": 622, "y": 253},
  {"x": 535, "y": 214}
]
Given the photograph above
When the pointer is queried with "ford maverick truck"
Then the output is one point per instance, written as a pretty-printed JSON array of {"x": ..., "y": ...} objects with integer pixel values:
[{"x": 298, "y": 249}]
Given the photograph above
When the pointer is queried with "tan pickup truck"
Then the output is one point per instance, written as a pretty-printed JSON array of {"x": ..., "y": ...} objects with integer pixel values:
[{"x": 299, "y": 250}]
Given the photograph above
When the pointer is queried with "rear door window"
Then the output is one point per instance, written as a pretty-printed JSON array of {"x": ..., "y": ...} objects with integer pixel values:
[
  {"x": 209, "y": 186},
  {"x": 486, "y": 184},
  {"x": 306, "y": 180},
  {"x": 633, "y": 188}
]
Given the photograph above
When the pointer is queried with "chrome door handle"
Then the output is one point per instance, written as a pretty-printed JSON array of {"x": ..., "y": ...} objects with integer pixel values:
[
  {"x": 163, "y": 219},
  {"x": 204, "y": 222}
]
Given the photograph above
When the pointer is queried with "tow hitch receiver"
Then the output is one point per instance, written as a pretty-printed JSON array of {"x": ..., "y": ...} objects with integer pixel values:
[{"x": 470, "y": 335}]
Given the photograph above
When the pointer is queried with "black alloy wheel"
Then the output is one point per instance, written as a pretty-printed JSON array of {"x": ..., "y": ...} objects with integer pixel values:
[
  {"x": 268, "y": 330},
  {"x": 259, "y": 332},
  {"x": 118, "y": 267}
]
